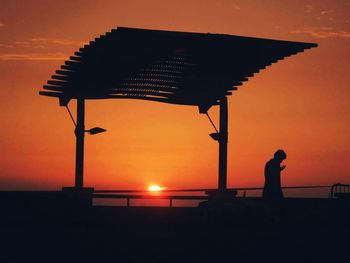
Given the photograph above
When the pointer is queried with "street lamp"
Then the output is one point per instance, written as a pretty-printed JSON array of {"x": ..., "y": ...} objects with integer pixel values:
[
  {"x": 95, "y": 130},
  {"x": 80, "y": 134},
  {"x": 221, "y": 136}
]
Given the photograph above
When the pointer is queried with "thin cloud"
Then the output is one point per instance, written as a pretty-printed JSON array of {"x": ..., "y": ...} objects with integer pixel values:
[
  {"x": 6, "y": 46},
  {"x": 33, "y": 56},
  {"x": 235, "y": 6},
  {"x": 2, "y": 24},
  {"x": 308, "y": 8},
  {"x": 42, "y": 43},
  {"x": 63, "y": 42},
  {"x": 323, "y": 32},
  {"x": 326, "y": 12},
  {"x": 37, "y": 49}
]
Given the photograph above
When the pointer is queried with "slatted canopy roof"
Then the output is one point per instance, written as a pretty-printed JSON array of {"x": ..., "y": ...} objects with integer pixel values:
[{"x": 165, "y": 66}]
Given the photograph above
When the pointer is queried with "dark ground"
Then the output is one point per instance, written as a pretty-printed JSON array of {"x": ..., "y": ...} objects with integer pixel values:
[{"x": 247, "y": 230}]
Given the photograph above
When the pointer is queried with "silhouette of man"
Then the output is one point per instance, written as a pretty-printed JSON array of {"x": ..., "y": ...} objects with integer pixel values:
[{"x": 273, "y": 168}]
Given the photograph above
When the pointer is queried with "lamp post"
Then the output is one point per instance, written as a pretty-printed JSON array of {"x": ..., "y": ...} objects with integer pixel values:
[
  {"x": 221, "y": 136},
  {"x": 222, "y": 182},
  {"x": 80, "y": 134},
  {"x": 79, "y": 144}
]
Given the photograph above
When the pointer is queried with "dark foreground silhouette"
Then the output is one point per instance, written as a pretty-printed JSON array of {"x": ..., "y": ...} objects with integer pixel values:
[
  {"x": 272, "y": 187},
  {"x": 37, "y": 229}
]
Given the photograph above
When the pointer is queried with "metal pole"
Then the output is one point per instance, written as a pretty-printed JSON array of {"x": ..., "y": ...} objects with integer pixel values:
[
  {"x": 223, "y": 145},
  {"x": 79, "y": 134}
]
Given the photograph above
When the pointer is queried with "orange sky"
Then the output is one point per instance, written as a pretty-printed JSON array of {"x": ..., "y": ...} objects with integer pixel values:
[{"x": 300, "y": 104}]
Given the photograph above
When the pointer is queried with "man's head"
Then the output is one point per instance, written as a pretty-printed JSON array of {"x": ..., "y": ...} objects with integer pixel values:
[{"x": 280, "y": 155}]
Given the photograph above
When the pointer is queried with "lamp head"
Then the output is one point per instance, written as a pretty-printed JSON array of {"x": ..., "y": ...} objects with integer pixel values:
[{"x": 96, "y": 130}]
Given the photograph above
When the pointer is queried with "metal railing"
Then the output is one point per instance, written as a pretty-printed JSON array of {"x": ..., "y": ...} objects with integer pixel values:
[
  {"x": 340, "y": 191},
  {"x": 172, "y": 194},
  {"x": 128, "y": 197}
]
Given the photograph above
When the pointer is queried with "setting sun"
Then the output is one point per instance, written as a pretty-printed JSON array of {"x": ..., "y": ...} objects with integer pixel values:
[{"x": 155, "y": 188}]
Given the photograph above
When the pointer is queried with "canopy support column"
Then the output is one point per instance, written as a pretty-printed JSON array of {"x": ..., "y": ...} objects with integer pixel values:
[
  {"x": 222, "y": 194},
  {"x": 79, "y": 134},
  {"x": 222, "y": 184},
  {"x": 79, "y": 196}
]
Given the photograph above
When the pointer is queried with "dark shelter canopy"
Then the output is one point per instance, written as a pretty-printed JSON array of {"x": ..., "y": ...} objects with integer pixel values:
[
  {"x": 165, "y": 66},
  {"x": 172, "y": 67}
]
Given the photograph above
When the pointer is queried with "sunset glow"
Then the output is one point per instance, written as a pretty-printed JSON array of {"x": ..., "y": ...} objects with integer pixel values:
[
  {"x": 155, "y": 188},
  {"x": 300, "y": 104}
]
